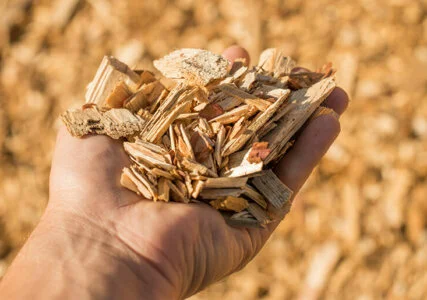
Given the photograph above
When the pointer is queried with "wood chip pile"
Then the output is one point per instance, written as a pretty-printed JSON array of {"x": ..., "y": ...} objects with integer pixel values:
[{"x": 205, "y": 131}]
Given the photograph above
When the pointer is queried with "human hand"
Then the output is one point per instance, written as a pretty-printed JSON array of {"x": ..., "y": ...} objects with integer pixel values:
[{"x": 154, "y": 249}]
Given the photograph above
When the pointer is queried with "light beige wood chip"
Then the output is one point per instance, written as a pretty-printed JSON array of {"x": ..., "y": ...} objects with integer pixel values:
[
  {"x": 221, "y": 183},
  {"x": 164, "y": 189},
  {"x": 109, "y": 74},
  {"x": 305, "y": 103},
  {"x": 209, "y": 194},
  {"x": 200, "y": 67},
  {"x": 236, "y": 145},
  {"x": 115, "y": 123}
]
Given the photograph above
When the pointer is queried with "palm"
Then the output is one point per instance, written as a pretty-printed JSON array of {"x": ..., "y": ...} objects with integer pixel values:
[{"x": 185, "y": 236}]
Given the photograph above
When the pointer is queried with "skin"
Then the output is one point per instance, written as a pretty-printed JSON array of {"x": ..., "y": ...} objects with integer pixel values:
[{"x": 98, "y": 240}]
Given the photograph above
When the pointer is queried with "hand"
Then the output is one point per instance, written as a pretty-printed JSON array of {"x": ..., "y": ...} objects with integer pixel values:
[{"x": 97, "y": 230}]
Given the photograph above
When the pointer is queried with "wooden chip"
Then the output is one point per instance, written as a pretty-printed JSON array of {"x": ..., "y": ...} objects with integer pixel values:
[
  {"x": 211, "y": 111},
  {"x": 306, "y": 101},
  {"x": 220, "y": 139},
  {"x": 273, "y": 189},
  {"x": 236, "y": 145},
  {"x": 230, "y": 203},
  {"x": 239, "y": 166},
  {"x": 259, "y": 213},
  {"x": 195, "y": 167},
  {"x": 176, "y": 194},
  {"x": 164, "y": 189},
  {"x": 199, "y": 67},
  {"x": 209, "y": 194},
  {"x": 109, "y": 74},
  {"x": 232, "y": 90},
  {"x": 115, "y": 123},
  {"x": 254, "y": 195},
  {"x": 258, "y": 152},
  {"x": 221, "y": 183},
  {"x": 118, "y": 96}
]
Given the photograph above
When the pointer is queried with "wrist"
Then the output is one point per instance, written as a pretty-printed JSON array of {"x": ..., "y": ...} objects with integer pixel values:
[{"x": 68, "y": 255}]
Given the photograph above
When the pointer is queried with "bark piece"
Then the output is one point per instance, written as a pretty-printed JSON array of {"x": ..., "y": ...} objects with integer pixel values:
[
  {"x": 259, "y": 213},
  {"x": 199, "y": 67},
  {"x": 254, "y": 195},
  {"x": 273, "y": 189}
]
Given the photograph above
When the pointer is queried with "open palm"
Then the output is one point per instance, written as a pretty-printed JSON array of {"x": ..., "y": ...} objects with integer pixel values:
[{"x": 185, "y": 246}]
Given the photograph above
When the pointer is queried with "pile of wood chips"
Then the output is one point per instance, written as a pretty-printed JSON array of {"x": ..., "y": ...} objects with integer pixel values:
[{"x": 206, "y": 131}]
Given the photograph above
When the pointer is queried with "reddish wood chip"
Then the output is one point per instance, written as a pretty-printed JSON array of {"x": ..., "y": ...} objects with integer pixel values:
[{"x": 259, "y": 152}]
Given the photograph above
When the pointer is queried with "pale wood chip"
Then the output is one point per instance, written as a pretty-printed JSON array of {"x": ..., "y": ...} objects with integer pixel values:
[
  {"x": 109, "y": 74},
  {"x": 248, "y": 81},
  {"x": 223, "y": 182},
  {"x": 115, "y": 123},
  {"x": 273, "y": 189},
  {"x": 198, "y": 186},
  {"x": 187, "y": 142},
  {"x": 127, "y": 180},
  {"x": 162, "y": 173},
  {"x": 151, "y": 158},
  {"x": 197, "y": 168},
  {"x": 220, "y": 139},
  {"x": 209, "y": 194},
  {"x": 145, "y": 181},
  {"x": 230, "y": 203},
  {"x": 118, "y": 96},
  {"x": 199, "y": 67},
  {"x": 137, "y": 102},
  {"x": 164, "y": 189},
  {"x": 306, "y": 101},
  {"x": 234, "y": 115},
  {"x": 239, "y": 166},
  {"x": 234, "y": 91},
  {"x": 274, "y": 61},
  {"x": 236, "y": 145}
]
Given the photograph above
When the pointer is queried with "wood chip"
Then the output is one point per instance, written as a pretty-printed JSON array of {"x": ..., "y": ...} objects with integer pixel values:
[
  {"x": 273, "y": 189},
  {"x": 200, "y": 67},
  {"x": 110, "y": 73},
  {"x": 220, "y": 183},
  {"x": 305, "y": 103},
  {"x": 115, "y": 123}
]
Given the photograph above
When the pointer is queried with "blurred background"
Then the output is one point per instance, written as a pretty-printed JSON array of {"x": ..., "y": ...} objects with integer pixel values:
[{"x": 358, "y": 229}]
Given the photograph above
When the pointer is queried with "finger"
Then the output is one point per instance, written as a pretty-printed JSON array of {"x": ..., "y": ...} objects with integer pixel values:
[
  {"x": 309, "y": 148},
  {"x": 338, "y": 101},
  {"x": 235, "y": 52}
]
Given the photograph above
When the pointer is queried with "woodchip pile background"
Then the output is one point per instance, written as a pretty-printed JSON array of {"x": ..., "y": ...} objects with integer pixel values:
[{"x": 358, "y": 230}]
